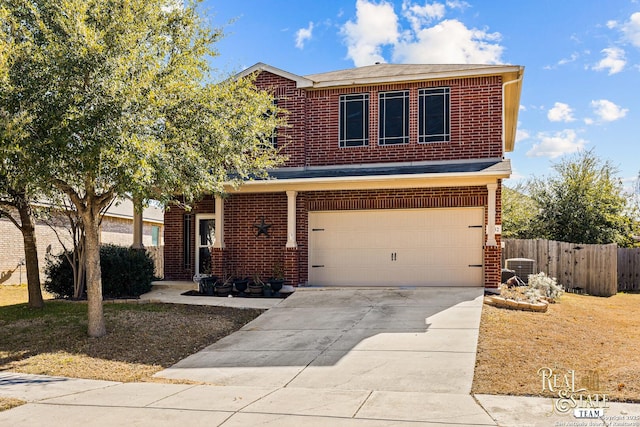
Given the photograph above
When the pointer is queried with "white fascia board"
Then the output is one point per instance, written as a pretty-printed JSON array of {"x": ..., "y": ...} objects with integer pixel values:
[{"x": 419, "y": 77}]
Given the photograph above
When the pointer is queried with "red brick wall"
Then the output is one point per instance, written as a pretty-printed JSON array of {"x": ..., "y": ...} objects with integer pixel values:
[
  {"x": 291, "y": 139},
  {"x": 245, "y": 253},
  {"x": 476, "y": 123}
]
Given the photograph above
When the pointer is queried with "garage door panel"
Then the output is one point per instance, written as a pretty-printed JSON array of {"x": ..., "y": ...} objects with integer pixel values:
[{"x": 397, "y": 247}]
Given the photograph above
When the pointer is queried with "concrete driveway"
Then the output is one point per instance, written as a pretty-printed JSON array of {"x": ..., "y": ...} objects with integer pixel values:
[{"x": 385, "y": 354}]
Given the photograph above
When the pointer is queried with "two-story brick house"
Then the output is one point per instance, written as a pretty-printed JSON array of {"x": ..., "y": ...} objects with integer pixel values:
[{"x": 393, "y": 178}]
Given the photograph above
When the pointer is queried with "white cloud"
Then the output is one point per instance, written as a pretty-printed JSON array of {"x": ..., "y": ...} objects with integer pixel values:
[
  {"x": 631, "y": 29},
  {"x": 450, "y": 42},
  {"x": 607, "y": 111},
  {"x": 420, "y": 15},
  {"x": 556, "y": 144},
  {"x": 572, "y": 58},
  {"x": 457, "y": 4},
  {"x": 522, "y": 134},
  {"x": 304, "y": 34},
  {"x": 614, "y": 60},
  {"x": 612, "y": 24},
  {"x": 560, "y": 112},
  {"x": 376, "y": 25}
]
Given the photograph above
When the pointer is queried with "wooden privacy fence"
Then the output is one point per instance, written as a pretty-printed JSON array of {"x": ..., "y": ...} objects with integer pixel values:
[
  {"x": 629, "y": 269},
  {"x": 157, "y": 254},
  {"x": 589, "y": 268}
]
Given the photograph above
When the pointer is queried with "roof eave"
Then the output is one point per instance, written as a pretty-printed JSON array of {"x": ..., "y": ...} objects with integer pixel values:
[
  {"x": 512, "y": 93},
  {"x": 445, "y": 75},
  {"x": 369, "y": 182}
]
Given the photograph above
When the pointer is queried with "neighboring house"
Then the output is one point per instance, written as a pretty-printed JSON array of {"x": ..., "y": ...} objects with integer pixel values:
[
  {"x": 116, "y": 228},
  {"x": 393, "y": 178}
]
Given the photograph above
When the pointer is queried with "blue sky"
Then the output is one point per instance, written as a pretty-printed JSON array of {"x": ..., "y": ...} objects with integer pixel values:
[{"x": 582, "y": 58}]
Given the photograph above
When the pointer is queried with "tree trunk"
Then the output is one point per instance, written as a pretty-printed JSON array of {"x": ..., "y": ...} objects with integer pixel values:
[
  {"x": 28, "y": 230},
  {"x": 95, "y": 313}
]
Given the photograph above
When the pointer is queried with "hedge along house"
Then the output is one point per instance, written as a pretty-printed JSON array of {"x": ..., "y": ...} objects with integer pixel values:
[{"x": 393, "y": 178}]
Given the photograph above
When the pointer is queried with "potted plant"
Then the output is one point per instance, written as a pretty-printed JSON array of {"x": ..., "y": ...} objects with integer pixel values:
[
  {"x": 224, "y": 287},
  {"x": 277, "y": 281},
  {"x": 207, "y": 285},
  {"x": 241, "y": 285},
  {"x": 256, "y": 286}
]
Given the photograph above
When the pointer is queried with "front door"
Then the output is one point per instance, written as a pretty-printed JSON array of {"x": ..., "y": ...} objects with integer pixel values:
[{"x": 205, "y": 237}]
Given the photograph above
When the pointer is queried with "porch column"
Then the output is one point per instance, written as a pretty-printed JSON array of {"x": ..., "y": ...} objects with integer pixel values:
[
  {"x": 291, "y": 255},
  {"x": 137, "y": 223},
  {"x": 219, "y": 225},
  {"x": 218, "y": 252},
  {"x": 491, "y": 214},
  {"x": 291, "y": 219}
]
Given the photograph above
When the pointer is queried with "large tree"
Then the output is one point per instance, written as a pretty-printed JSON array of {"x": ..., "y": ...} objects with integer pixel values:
[
  {"x": 121, "y": 101},
  {"x": 17, "y": 190},
  {"x": 519, "y": 214},
  {"x": 583, "y": 202}
]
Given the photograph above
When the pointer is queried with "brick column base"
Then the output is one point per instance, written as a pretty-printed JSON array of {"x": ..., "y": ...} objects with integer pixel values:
[
  {"x": 218, "y": 258},
  {"x": 292, "y": 266},
  {"x": 492, "y": 267}
]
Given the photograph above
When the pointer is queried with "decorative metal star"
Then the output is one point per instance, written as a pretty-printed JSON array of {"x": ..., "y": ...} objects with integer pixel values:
[{"x": 263, "y": 227}]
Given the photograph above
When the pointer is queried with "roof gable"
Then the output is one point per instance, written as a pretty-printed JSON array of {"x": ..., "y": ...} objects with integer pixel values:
[{"x": 301, "y": 82}]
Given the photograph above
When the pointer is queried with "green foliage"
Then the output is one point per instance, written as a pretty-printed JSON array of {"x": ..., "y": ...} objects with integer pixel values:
[
  {"x": 116, "y": 96},
  {"x": 126, "y": 272},
  {"x": 584, "y": 202},
  {"x": 519, "y": 214}
]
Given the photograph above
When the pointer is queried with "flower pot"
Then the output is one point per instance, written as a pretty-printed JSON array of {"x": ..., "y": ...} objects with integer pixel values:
[
  {"x": 223, "y": 289},
  {"x": 255, "y": 289},
  {"x": 276, "y": 284},
  {"x": 206, "y": 285},
  {"x": 241, "y": 285}
]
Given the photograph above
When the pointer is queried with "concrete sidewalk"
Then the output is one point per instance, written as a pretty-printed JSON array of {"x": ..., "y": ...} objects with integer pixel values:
[
  {"x": 72, "y": 402},
  {"x": 339, "y": 357}
]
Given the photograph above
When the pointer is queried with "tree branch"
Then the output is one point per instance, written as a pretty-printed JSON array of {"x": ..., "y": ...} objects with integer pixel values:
[{"x": 5, "y": 213}]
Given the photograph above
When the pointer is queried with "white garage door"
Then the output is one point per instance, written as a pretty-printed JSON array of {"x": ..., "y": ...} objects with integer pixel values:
[{"x": 419, "y": 247}]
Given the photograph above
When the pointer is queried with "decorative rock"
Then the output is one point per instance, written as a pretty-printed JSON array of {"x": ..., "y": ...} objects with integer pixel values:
[{"x": 499, "y": 302}]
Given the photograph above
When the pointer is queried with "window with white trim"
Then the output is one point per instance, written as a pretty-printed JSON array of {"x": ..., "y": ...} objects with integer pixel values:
[
  {"x": 434, "y": 115},
  {"x": 354, "y": 120},
  {"x": 393, "y": 117}
]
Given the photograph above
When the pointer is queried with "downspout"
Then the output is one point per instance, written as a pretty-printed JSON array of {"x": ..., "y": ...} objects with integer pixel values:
[{"x": 504, "y": 85}]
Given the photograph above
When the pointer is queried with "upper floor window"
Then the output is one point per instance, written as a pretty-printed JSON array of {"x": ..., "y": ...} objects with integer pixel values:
[
  {"x": 354, "y": 120},
  {"x": 394, "y": 117},
  {"x": 273, "y": 138},
  {"x": 433, "y": 115}
]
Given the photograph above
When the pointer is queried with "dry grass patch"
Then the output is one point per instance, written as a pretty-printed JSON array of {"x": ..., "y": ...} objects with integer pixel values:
[
  {"x": 142, "y": 339},
  {"x": 17, "y": 294},
  {"x": 582, "y": 333},
  {"x": 8, "y": 403}
]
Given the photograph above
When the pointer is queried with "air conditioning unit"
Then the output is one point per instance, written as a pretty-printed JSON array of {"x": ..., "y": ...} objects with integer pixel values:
[{"x": 522, "y": 266}]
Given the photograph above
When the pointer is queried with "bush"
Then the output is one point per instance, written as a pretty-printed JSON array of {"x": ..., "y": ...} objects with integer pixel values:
[
  {"x": 59, "y": 276},
  {"x": 125, "y": 273},
  {"x": 545, "y": 285}
]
